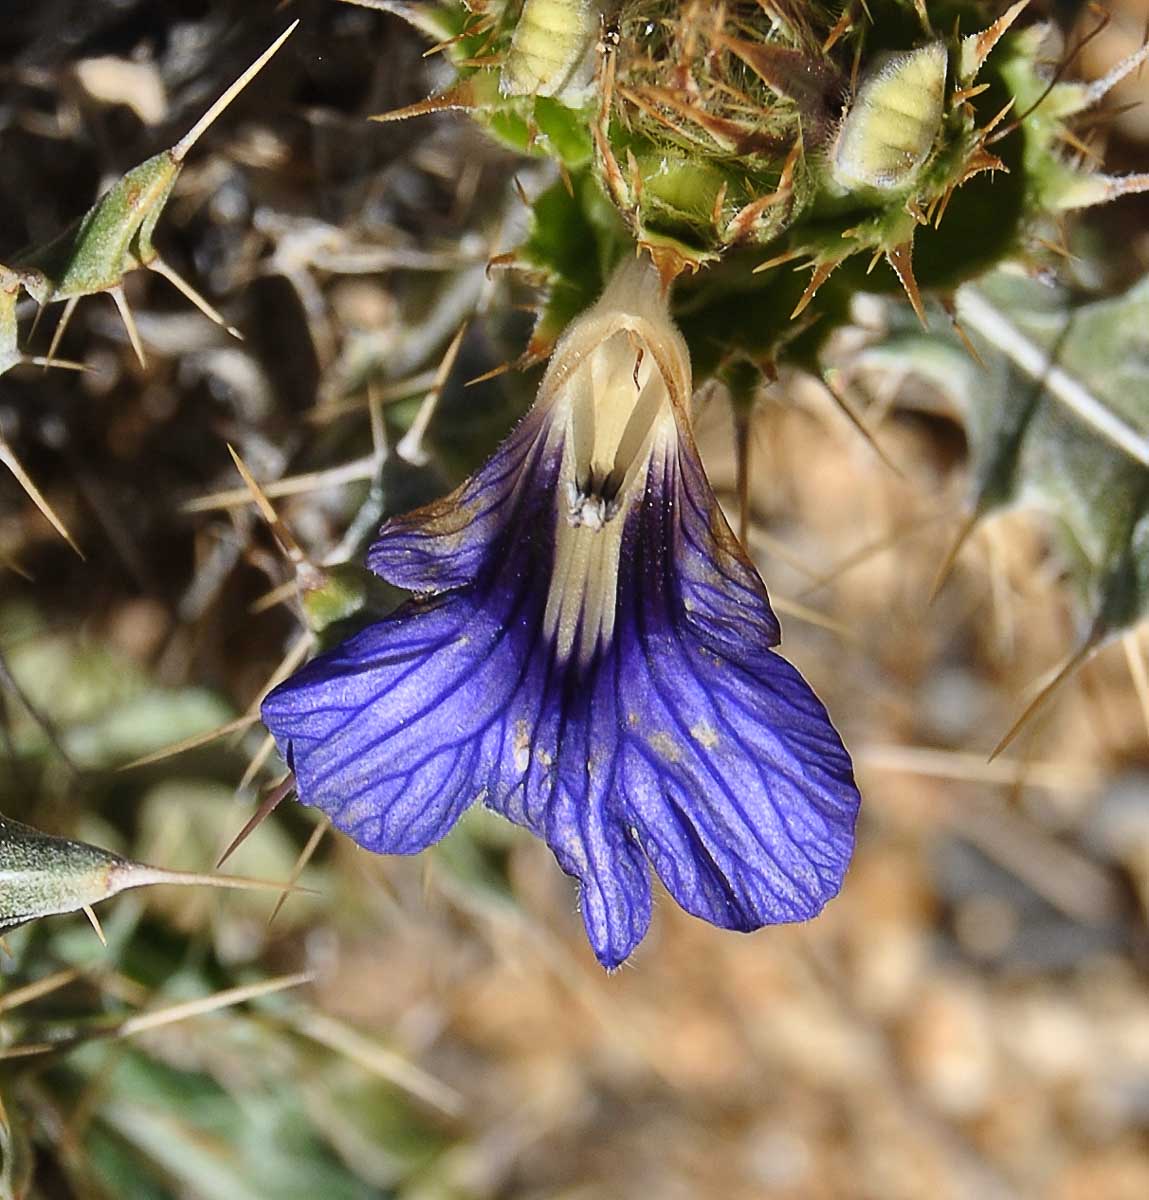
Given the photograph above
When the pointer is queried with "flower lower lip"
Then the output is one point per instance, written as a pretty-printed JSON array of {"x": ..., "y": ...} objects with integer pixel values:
[{"x": 597, "y": 665}]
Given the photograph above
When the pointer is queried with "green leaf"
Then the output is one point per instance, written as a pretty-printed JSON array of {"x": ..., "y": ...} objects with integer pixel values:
[{"x": 1057, "y": 421}]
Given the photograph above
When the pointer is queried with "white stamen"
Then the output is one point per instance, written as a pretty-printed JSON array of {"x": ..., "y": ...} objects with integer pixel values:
[{"x": 614, "y": 382}]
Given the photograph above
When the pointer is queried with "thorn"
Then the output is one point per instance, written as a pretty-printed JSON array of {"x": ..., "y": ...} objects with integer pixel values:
[
  {"x": 294, "y": 657},
  {"x": 775, "y": 547},
  {"x": 137, "y": 875},
  {"x": 121, "y": 302},
  {"x": 743, "y": 221},
  {"x": 1075, "y": 660},
  {"x": 206, "y": 1004},
  {"x": 460, "y": 96},
  {"x": 717, "y": 207},
  {"x": 279, "y": 792},
  {"x": 778, "y": 260},
  {"x": 9, "y": 459},
  {"x": 976, "y": 48},
  {"x": 493, "y": 373},
  {"x": 967, "y": 93},
  {"x": 380, "y": 447},
  {"x": 90, "y": 913},
  {"x": 857, "y": 422},
  {"x": 283, "y": 535},
  {"x": 1060, "y": 249},
  {"x": 943, "y": 204},
  {"x": 998, "y": 117},
  {"x": 301, "y": 862},
  {"x": 181, "y": 285},
  {"x": 13, "y": 565},
  {"x": 980, "y": 160},
  {"x": 257, "y": 760},
  {"x": 18, "y": 997},
  {"x": 947, "y": 564},
  {"x": 277, "y": 595},
  {"x": 1086, "y": 153},
  {"x": 189, "y": 139},
  {"x": 1055, "y": 84},
  {"x": 538, "y": 350},
  {"x": 668, "y": 262},
  {"x": 507, "y": 259},
  {"x": 822, "y": 272},
  {"x": 844, "y": 23},
  {"x": 901, "y": 259},
  {"x": 951, "y": 311},
  {"x": 36, "y": 319},
  {"x": 410, "y": 446},
  {"x": 856, "y": 64},
  {"x": 46, "y": 725},
  {"x": 1108, "y": 116},
  {"x": 64, "y": 364},
  {"x": 635, "y": 174},
  {"x": 368, "y": 1054},
  {"x": 194, "y": 742},
  {"x": 61, "y": 325},
  {"x": 730, "y": 136},
  {"x": 293, "y": 485},
  {"x": 811, "y": 616},
  {"x": 608, "y": 69},
  {"x": 481, "y": 26}
]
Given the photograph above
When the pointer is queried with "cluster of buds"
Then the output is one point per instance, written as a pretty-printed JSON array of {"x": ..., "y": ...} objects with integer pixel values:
[{"x": 812, "y": 132}]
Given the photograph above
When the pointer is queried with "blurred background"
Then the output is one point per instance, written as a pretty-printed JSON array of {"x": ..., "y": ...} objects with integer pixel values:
[{"x": 969, "y": 1019}]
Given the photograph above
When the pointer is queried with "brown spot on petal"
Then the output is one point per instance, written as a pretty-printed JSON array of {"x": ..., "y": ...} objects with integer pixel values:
[{"x": 665, "y": 746}]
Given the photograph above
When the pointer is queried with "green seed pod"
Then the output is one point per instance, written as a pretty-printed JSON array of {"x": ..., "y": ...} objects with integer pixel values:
[
  {"x": 552, "y": 49},
  {"x": 893, "y": 124}
]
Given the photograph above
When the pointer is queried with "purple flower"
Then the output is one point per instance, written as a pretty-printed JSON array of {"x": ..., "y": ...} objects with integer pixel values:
[{"x": 588, "y": 653}]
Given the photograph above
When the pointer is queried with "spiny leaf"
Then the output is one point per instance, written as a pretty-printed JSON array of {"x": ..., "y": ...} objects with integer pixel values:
[
  {"x": 41, "y": 875},
  {"x": 114, "y": 236},
  {"x": 1058, "y": 422}
]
